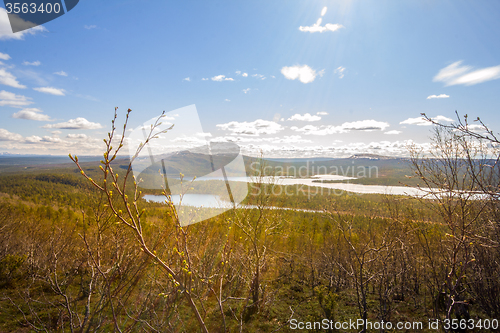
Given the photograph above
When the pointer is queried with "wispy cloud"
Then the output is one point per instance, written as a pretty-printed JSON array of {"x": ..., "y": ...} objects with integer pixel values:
[
  {"x": 421, "y": 121},
  {"x": 51, "y": 90},
  {"x": 61, "y": 73},
  {"x": 438, "y": 96},
  {"x": 305, "y": 117},
  {"x": 362, "y": 125},
  {"x": 89, "y": 27},
  {"x": 259, "y": 76},
  {"x": 27, "y": 74},
  {"x": 323, "y": 11},
  {"x": 78, "y": 123},
  {"x": 9, "y": 80},
  {"x": 13, "y": 100},
  {"x": 4, "y": 56},
  {"x": 340, "y": 71},
  {"x": 322, "y": 113},
  {"x": 6, "y": 30},
  {"x": 34, "y": 63},
  {"x": 227, "y": 100},
  {"x": 221, "y": 78},
  {"x": 244, "y": 74},
  {"x": 316, "y": 27},
  {"x": 186, "y": 79},
  {"x": 393, "y": 132},
  {"x": 88, "y": 97},
  {"x": 456, "y": 73},
  {"x": 246, "y": 91},
  {"x": 304, "y": 73},
  {"x": 31, "y": 114},
  {"x": 254, "y": 128}
]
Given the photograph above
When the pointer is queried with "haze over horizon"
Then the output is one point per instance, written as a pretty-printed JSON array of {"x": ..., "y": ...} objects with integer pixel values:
[{"x": 294, "y": 79}]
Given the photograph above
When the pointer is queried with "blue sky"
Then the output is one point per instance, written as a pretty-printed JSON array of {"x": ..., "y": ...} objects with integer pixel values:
[{"x": 356, "y": 82}]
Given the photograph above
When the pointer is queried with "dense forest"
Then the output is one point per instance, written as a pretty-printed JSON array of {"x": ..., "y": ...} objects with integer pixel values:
[{"x": 81, "y": 251}]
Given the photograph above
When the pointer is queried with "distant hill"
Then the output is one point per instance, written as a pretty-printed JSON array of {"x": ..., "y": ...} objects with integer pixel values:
[
  {"x": 373, "y": 157},
  {"x": 11, "y": 159}
]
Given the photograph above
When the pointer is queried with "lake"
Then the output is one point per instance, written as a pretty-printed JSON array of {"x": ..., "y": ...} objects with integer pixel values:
[{"x": 214, "y": 201}]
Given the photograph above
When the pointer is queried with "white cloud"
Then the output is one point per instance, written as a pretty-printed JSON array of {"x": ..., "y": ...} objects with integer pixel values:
[
  {"x": 479, "y": 76},
  {"x": 186, "y": 79},
  {"x": 259, "y": 76},
  {"x": 31, "y": 114},
  {"x": 449, "y": 72},
  {"x": 51, "y": 139},
  {"x": 13, "y": 100},
  {"x": 61, "y": 73},
  {"x": 51, "y": 90},
  {"x": 46, "y": 139},
  {"x": 246, "y": 91},
  {"x": 9, "y": 136},
  {"x": 4, "y": 56},
  {"x": 9, "y": 80},
  {"x": 34, "y": 63},
  {"x": 205, "y": 79},
  {"x": 304, "y": 73},
  {"x": 365, "y": 125},
  {"x": 316, "y": 27},
  {"x": 323, "y": 11},
  {"x": 78, "y": 123},
  {"x": 88, "y": 27},
  {"x": 289, "y": 149},
  {"x": 221, "y": 78},
  {"x": 6, "y": 30},
  {"x": 243, "y": 74},
  {"x": 50, "y": 144},
  {"x": 442, "y": 118},
  {"x": 227, "y": 100},
  {"x": 393, "y": 132},
  {"x": 255, "y": 128},
  {"x": 457, "y": 74},
  {"x": 421, "y": 121},
  {"x": 361, "y": 125},
  {"x": 33, "y": 139},
  {"x": 322, "y": 113},
  {"x": 438, "y": 96},
  {"x": 77, "y": 136},
  {"x": 246, "y": 139},
  {"x": 305, "y": 117},
  {"x": 340, "y": 71}
]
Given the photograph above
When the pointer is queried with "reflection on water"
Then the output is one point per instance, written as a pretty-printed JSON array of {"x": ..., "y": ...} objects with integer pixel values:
[{"x": 194, "y": 200}]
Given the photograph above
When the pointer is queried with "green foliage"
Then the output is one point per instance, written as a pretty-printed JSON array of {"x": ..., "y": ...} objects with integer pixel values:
[{"x": 54, "y": 224}]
